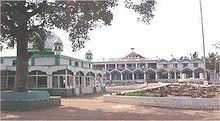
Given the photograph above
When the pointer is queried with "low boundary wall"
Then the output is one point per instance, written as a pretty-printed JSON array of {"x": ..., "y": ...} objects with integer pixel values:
[{"x": 167, "y": 102}]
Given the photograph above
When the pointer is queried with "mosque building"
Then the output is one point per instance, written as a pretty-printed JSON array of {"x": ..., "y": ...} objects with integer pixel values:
[
  {"x": 49, "y": 69},
  {"x": 68, "y": 76},
  {"x": 136, "y": 68}
]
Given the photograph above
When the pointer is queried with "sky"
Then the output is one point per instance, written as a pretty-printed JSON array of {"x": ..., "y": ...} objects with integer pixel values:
[{"x": 175, "y": 30}]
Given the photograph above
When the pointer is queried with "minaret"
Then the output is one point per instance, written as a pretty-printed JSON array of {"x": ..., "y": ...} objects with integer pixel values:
[
  {"x": 58, "y": 47},
  {"x": 88, "y": 57}
]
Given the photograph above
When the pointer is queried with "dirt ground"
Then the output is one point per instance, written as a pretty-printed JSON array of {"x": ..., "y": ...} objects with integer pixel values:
[{"x": 93, "y": 108}]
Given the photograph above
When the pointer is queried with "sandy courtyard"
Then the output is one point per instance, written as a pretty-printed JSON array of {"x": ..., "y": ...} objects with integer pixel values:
[{"x": 93, "y": 108}]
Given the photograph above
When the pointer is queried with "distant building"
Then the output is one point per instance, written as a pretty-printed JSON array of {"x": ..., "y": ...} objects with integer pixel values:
[
  {"x": 135, "y": 67},
  {"x": 51, "y": 70}
]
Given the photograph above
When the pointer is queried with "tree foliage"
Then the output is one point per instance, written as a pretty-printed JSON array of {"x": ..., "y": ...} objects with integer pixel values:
[
  {"x": 194, "y": 55},
  {"x": 144, "y": 8},
  {"x": 25, "y": 21},
  {"x": 212, "y": 62},
  {"x": 75, "y": 17}
]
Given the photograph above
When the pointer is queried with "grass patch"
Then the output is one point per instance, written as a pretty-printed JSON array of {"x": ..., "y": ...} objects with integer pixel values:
[{"x": 142, "y": 93}]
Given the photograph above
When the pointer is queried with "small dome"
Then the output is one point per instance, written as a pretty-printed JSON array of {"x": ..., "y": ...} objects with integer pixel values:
[
  {"x": 88, "y": 55},
  {"x": 89, "y": 52}
]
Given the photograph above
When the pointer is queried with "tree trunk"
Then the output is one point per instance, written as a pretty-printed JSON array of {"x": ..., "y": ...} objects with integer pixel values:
[{"x": 22, "y": 63}]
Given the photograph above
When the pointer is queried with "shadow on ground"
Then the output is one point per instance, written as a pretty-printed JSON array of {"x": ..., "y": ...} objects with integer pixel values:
[
  {"x": 93, "y": 108},
  {"x": 72, "y": 113}
]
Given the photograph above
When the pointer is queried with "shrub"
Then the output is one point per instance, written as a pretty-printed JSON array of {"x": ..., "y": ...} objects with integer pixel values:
[{"x": 140, "y": 93}]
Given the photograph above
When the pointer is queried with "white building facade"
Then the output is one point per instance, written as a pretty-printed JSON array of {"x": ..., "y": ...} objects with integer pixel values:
[
  {"x": 59, "y": 74},
  {"x": 135, "y": 67}
]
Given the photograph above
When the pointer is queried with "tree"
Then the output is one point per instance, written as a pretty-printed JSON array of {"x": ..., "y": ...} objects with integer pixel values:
[
  {"x": 212, "y": 62},
  {"x": 144, "y": 8},
  {"x": 25, "y": 21},
  {"x": 194, "y": 55}
]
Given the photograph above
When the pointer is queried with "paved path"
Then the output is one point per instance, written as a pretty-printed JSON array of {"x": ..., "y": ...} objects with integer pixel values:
[{"x": 93, "y": 108}]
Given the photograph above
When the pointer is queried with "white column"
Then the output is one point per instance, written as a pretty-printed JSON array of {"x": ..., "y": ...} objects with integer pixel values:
[
  {"x": 156, "y": 76},
  {"x": 66, "y": 84},
  {"x": 135, "y": 65},
  {"x": 201, "y": 76},
  {"x": 58, "y": 77},
  {"x": 145, "y": 76},
  {"x": 193, "y": 75},
  {"x": 74, "y": 81},
  {"x": 115, "y": 65},
  {"x": 125, "y": 65},
  {"x": 168, "y": 75},
  {"x": 121, "y": 76},
  {"x": 105, "y": 66},
  {"x": 36, "y": 83},
  {"x": 175, "y": 75},
  {"x": 84, "y": 81},
  {"x": 132, "y": 76},
  {"x": 49, "y": 81}
]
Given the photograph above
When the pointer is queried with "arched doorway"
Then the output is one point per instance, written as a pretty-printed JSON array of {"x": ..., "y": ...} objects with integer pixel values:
[
  {"x": 138, "y": 74},
  {"x": 187, "y": 72},
  {"x": 90, "y": 78},
  {"x": 163, "y": 74},
  {"x": 79, "y": 79},
  {"x": 37, "y": 79},
  {"x": 116, "y": 75},
  {"x": 127, "y": 75},
  {"x": 198, "y": 72},
  {"x": 150, "y": 74},
  {"x": 62, "y": 78}
]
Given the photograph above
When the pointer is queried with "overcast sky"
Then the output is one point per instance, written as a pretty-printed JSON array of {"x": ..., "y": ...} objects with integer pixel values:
[{"x": 175, "y": 30}]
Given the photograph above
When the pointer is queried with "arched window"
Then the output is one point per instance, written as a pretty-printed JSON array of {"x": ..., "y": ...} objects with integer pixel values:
[
  {"x": 127, "y": 75},
  {"x": 79, "y": 78},
  {"x": 7, "y": 79},
  {"x": 197, "y": 72},
  {"x": 163, "y": 74},
  {"x": 116, "y": 75},
  {"x": 90, "y": 76},
  {"x": 62, "y": 78},
  {"x": 150, "y": 74},
  {"x": 138, "y": 74},
  {"x": 37, "y": 79},
  {"x": 187, "y": 72}
]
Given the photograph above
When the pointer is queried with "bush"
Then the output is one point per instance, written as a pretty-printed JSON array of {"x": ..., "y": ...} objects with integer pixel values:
[{"x": 140, "y": 93}]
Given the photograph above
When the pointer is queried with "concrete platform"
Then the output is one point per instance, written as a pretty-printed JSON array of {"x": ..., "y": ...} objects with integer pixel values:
[
  {"x": 167, "y": 102},
  {"x": 24, "y": 101}
]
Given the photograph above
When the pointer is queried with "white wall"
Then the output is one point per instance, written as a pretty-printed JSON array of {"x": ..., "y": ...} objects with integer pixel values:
[
  {"x": 8, "y": 61},
  {"x": 64, "y": 61},
  {"x": 45, "y": 61},
  {"x": 168, "y": 102}
]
